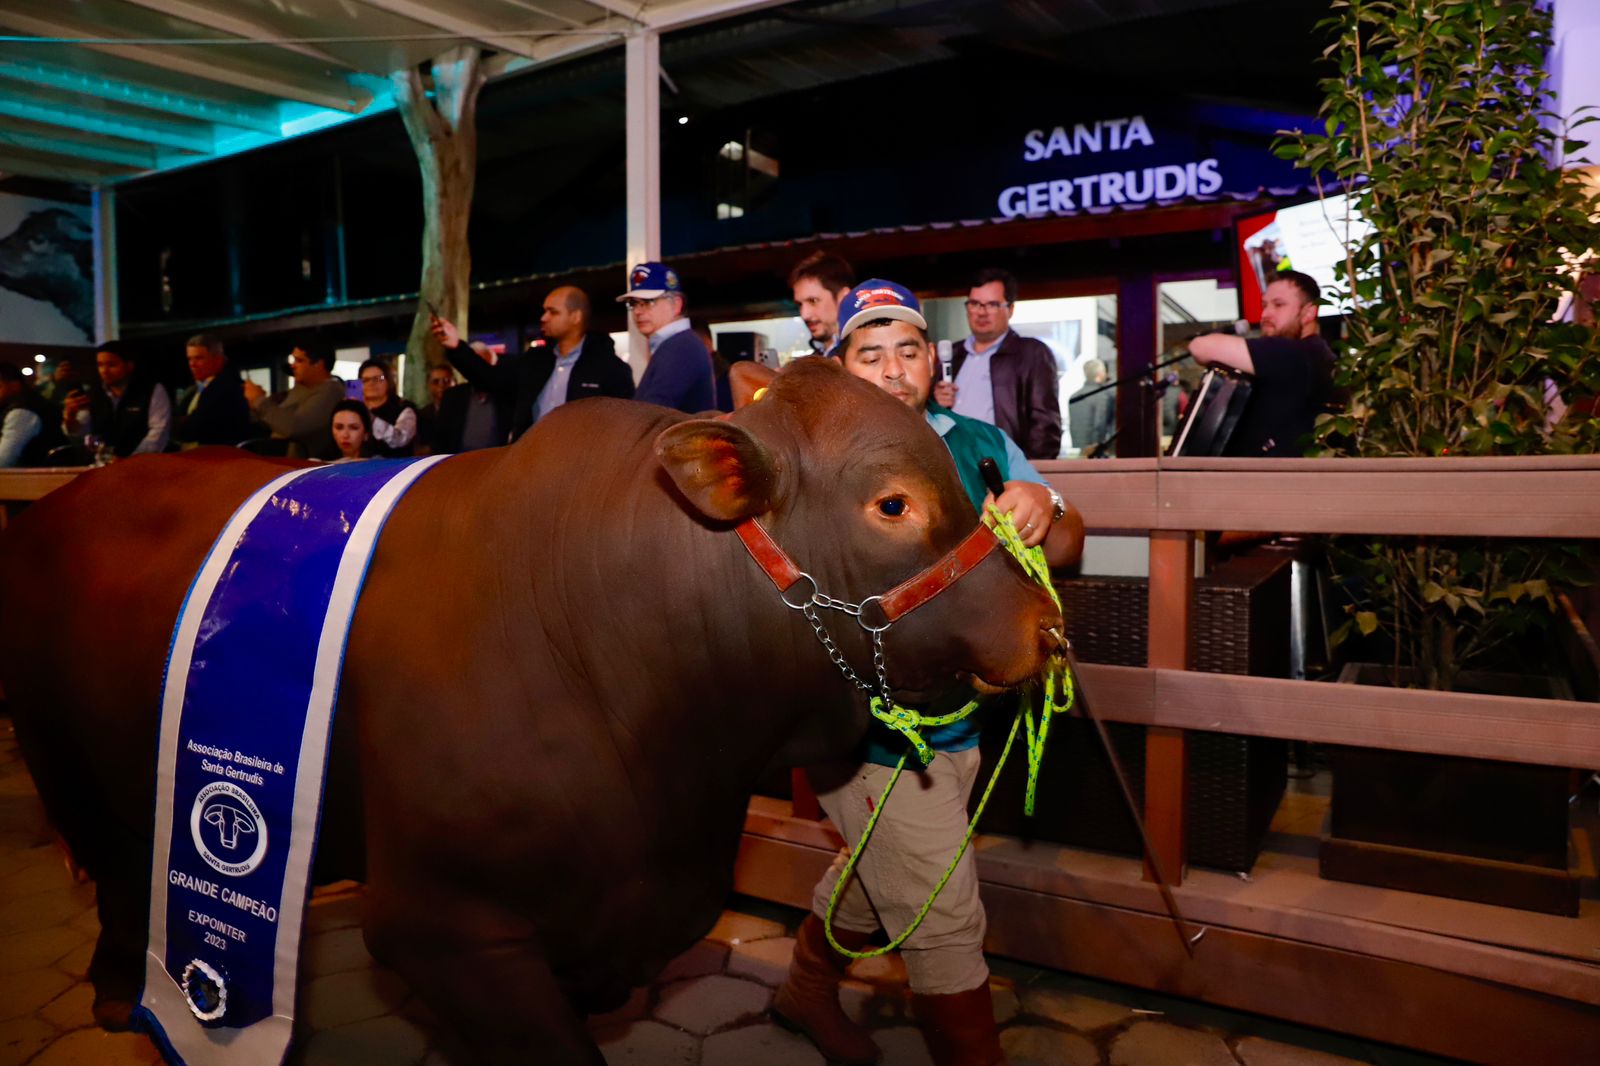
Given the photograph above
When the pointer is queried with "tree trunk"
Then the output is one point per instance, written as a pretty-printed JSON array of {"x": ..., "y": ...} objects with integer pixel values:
[{"x": 444, "y": 135}]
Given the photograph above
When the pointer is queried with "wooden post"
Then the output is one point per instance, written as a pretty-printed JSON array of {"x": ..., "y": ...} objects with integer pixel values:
[
  {"x": 642, "y": 74},
  {"x": 803, "y": 799},
  {"x": 444, "y": 135},
  {"x": 1166, "y": 760}
]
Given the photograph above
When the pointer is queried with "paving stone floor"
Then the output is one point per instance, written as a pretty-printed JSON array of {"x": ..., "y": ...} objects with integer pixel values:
[{"x": 708, "y": 1008}]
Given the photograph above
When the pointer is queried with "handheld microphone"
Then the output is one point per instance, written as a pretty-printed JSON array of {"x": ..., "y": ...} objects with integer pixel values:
[
  {"x": 991, "y": 476},
  {"x": 946, "y": 360}
]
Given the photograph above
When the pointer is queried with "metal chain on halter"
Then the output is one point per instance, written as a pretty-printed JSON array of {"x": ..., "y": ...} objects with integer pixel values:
[
  {"x": 834, "y": 654},
  {"x": 906, "y": 721}
]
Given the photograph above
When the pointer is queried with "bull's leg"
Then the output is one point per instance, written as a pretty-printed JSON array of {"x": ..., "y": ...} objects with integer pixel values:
[
  {"x": 122, "y": 898},
  {"x": 482, "y": 972}
]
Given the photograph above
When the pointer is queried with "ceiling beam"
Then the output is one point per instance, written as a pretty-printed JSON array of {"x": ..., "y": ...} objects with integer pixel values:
[
  {"x": 685, "y": 13},
  {"x": 184, "y": 137},
  {"x": 440, "y": 15},
  {"x": 120, "y": 91},
  {"x": 317, "y": 90},
  {"x": 631, "y": 12},
  {"x": 550, "y": 51},
  {"x": 209, "y": 16},
  {"x": 572, "y": 23},
  {"x": 140, "y": 157},
  {"x": 11, "y": 163}
]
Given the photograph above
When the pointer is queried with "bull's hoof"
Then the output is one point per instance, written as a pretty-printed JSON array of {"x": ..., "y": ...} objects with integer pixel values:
[{"x": 113, "y": 1015}]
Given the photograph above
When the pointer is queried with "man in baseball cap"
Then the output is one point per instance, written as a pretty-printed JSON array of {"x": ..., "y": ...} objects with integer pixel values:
[
  {"x": 883, "y": 339},
  {"x": 680, "y": 374}
]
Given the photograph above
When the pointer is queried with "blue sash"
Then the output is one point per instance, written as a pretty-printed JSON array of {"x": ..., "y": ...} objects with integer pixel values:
[{"x": 247, "y": 709}]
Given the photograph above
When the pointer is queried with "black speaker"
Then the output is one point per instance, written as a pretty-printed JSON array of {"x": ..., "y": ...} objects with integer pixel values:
[{"x": 736, "y": 346}]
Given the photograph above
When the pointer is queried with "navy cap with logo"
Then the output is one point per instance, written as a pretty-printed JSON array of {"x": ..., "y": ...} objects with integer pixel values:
[
  {"x": 650, "y": 280},
  {"x": 874, "y": 299}
]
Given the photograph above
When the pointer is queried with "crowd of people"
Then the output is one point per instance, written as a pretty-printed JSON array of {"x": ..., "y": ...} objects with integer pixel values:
[
  {"x": 479, "y": 399},
  {"x": 996, "y": 375}
]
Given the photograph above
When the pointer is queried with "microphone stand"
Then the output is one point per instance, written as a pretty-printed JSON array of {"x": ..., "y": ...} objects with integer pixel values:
[{"x": 1175, "y": 360}]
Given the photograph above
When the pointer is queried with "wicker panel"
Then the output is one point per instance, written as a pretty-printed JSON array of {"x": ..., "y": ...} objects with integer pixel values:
[{"x": 1241, "y": 616}]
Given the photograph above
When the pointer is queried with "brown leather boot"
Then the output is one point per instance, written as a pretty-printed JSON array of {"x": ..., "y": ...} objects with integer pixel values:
[
  {"x": 809, "y": 998},
  {"x": 960, "y": 1028}
]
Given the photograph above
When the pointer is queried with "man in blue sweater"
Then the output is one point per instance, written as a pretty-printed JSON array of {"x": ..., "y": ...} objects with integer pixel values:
[{"x": 679, "y": 374}]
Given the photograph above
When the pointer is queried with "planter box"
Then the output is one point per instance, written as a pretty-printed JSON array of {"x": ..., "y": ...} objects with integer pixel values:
[{"x": 1474, "y": 829}]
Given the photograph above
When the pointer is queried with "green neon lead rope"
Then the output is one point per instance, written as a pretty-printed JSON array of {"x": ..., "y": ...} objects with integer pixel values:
[{"x": 1056, "y": 693}]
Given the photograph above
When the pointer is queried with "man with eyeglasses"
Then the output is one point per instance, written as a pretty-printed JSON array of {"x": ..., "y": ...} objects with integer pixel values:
[
  {"x": 1002, "y": 378},
  {"x": 679, "y": 375}
]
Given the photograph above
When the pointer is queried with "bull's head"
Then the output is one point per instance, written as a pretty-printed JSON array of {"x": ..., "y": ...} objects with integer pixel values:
[
  {"x": 862, "y": 494},
  {"x": 231, "y": 823}
]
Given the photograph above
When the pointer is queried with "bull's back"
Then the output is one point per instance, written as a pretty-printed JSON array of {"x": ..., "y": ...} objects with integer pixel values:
[{"x": 91, "y": 580}]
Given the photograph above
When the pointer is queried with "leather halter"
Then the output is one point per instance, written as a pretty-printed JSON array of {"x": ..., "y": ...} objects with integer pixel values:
[{"x": 895, "y": 604}]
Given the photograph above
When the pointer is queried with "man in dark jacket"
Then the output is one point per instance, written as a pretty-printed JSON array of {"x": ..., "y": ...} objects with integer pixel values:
[
  {"x": 129, "y": 412},
  {"x": 680, "y": 373},
  {"x": 441, "y": 379},
  {"x": 571, "y": 364},
  {"x": 1002, "y": 378},
  {"x": 213, "y": 410}
]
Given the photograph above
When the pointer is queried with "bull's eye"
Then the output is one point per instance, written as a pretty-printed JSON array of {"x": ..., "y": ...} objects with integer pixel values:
[{"x": 893, "y": 506}]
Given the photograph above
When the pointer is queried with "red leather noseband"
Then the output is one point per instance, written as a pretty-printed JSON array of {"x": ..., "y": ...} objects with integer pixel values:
[
  {"x": 895, "y": 604},
  {"x": 918, "y": 589}
]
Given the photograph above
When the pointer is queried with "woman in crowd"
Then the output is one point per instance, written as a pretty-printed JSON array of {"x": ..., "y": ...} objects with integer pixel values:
[
  {"x": 394, "y": 421},
  {"x": 352, "y": 430}
]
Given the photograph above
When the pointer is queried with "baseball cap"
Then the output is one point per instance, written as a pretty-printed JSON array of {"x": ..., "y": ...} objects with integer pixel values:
[
  {"x": 649, "y": 280},
  {"x": 874, "y": 299}
]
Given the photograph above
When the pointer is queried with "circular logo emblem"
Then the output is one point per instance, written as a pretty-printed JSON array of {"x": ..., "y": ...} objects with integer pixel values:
[
  {"x": 229, "y": 832},
  {"x": 205, "y": 991}
]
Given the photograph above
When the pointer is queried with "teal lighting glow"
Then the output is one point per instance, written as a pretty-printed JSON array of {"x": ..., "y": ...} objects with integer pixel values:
[
  {"x": 295, "y": 120},
  {"x": 143, "y": 129},
  {"x": 116, "y": 91}
]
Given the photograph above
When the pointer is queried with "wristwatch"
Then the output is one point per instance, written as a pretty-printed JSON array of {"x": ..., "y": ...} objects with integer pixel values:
[{"x": 1058, "y": 506}]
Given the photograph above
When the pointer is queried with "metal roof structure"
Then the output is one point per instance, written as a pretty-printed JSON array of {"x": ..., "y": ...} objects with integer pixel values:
[
  {"x": 96, "y": 91},
  {"x": 99, "y": 91}
]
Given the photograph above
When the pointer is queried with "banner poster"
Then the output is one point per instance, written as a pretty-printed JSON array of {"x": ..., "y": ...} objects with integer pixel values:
[
  {"x": 46, "y": 272},
  {"x": 247, "y": 709}
]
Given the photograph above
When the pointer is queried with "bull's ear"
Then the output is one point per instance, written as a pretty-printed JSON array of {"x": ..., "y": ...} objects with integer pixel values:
[
  {"x": 746, "y": 378},
  {"x": 723, "y": 471}
]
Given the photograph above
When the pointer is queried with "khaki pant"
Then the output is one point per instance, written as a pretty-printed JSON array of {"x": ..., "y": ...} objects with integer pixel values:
[{"x": 920, "y": 830}]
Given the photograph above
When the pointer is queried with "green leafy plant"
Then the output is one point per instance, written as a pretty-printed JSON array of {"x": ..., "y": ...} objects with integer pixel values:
[{"x": 1440, "y": 125}]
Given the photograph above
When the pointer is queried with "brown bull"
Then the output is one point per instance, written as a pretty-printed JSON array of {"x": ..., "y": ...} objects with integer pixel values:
[{"x": 564, "y": 677}]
